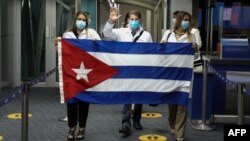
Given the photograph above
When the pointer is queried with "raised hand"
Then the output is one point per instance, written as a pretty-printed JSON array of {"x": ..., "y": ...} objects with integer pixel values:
[{"x": 113, "y": 15}]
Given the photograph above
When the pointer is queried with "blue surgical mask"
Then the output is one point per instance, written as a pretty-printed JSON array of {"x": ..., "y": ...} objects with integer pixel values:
[
  {"x": 80, "y": 24},
  {"x": 185, "y": 25},
  {"x": 134, "y": 24}
]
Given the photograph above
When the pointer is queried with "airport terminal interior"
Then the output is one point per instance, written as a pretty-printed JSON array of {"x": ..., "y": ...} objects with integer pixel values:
[{"x": 29, "y": 77}]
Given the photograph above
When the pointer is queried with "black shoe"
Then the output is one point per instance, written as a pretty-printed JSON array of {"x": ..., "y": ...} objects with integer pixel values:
[
  {"x": 138, "y": 126},
  {"x": 81, "y": 134},
  {"x": 125, "y": 131}
]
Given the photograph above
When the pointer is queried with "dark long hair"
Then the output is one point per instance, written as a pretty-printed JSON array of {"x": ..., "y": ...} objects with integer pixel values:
[{"x": 73, "y": 23}]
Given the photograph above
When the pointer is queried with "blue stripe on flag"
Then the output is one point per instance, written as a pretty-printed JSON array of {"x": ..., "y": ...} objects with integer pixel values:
[
  {"x": 170, "y": 73},
  {"x": 134, "y": 97},
  {"x": 132, "y": 48}
]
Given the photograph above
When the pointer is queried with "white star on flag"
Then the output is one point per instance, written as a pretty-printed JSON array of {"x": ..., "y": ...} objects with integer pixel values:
[{"x": 82, "y": 72}]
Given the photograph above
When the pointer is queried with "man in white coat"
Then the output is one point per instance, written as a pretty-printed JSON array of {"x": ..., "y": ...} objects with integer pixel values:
[{"x": 132, "y": 33}]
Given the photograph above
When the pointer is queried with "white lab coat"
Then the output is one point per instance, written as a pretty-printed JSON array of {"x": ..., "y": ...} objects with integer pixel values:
[
  {"x": 90, "y": 34},
  {"x": 196, "y": 33},
  {"x": 124, "y": 34}
]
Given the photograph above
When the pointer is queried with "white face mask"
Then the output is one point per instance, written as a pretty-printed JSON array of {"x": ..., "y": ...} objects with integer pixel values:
[{"x": 174, "y": 20}]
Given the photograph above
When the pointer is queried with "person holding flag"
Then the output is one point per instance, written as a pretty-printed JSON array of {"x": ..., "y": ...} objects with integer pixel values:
[
  {"x": 179, "y": 34},
  {"x": 132, "y": 33},
  {"x": 77, "y": 110}
]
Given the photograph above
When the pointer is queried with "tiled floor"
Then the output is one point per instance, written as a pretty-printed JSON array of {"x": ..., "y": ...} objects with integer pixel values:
[{"x": 103, "y": 121}]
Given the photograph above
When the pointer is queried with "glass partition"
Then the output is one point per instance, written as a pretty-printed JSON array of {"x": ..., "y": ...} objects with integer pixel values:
[
  {"x": 32, "y": 38},
  {"x": 34, "y": 31}
]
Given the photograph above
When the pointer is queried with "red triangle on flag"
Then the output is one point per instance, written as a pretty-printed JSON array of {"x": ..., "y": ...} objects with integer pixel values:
[{"x": 72, "y": 57}]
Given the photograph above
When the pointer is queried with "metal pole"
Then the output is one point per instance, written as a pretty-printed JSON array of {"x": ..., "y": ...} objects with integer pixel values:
[
  {"x": 203, "y": 125},
  {"x": 208, "y": 29},
  {"x": 211, "y": 28},
  {"x": 220, "y": 29},
  {"x": 240, "y": 105},
  {"x": 204, "y": 93},
  {"x": 25, "y": 111}
]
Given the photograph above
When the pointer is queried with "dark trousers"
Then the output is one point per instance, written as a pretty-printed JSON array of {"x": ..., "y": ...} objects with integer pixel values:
[
  {"x": 127, "y": 112},
  {"x": 77, "y": 112}
]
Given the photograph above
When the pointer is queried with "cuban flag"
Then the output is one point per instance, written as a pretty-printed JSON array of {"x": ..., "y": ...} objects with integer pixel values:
[{"x": 108, "y": 72}]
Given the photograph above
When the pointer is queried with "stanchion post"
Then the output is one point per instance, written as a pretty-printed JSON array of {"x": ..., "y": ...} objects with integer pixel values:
[
  {"x": 25, "y": 111},
  {"x": 240, "y": 107},
  {"x": 204, "y": 125},
  {"x": 204, "y": 93}
]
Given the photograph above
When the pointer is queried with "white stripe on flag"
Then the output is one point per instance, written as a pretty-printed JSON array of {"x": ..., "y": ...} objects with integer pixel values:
[
  {"x": 60, "y": 70},
  {"x": 114, "y": 59},
  {"x": 146, "y": 85}
]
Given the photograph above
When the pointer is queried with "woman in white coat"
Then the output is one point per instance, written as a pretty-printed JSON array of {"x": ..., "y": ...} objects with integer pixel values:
[
  {"x": 180, "y": 34},
  {"x": 77, "y": 110}
]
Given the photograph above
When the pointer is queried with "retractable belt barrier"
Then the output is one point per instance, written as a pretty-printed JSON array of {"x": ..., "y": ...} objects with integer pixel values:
[
  {"x": 20, "y": 89},
  {"x": 224, "y": 79}
]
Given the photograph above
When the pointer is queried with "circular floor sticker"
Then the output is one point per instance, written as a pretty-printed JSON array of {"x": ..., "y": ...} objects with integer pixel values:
[
  {"x": 1, "y": 138},
  {"x": 151, "y": 115},
  {"x": 17, "y": 116},
  {"x": 152, "y": 137}
]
